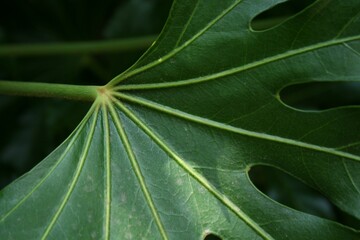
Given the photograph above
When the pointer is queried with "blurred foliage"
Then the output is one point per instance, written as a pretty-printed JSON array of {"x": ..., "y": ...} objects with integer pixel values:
[
  {"x": 32, "y": 128},
  {"x": 321, "y": 96}
]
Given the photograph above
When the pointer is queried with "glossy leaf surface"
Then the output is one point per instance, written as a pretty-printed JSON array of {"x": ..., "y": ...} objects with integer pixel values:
[{"x": 166, "y": 148}]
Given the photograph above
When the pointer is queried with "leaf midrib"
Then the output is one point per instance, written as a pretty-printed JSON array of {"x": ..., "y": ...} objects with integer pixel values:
[
  {"x": 76, "y": 175},
  {"x": 229, "y": 128},
  {"x": 199, "y": 178},
  {"x": 107, "y": 158},
  {"x": 239, "y": 69},
  {"x": 128, "y": 148}
]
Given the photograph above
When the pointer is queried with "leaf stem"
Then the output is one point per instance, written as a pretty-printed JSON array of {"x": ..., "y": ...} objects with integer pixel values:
[
  {"x": 35, "y": 89},
  {"x": 85, "y": 47}
]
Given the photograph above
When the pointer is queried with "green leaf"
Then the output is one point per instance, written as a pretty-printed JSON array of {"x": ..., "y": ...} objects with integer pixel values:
[{"x": 166, "y": 148}]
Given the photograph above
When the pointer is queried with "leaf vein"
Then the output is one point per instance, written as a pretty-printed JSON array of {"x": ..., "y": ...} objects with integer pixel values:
[
  {"x": 351, "y": 20},
  {"x": 117, "y": 80},
  {"x": 187, "y": 24},
  {"x": 225, "y": 127},
  {"x": 137, "y": 170},
  {"x": 202, "y": 180},
  {"x": 350, "y": 177},
  {"x": 76, "y": 176},
  {"x": 107, "y": 202},
  {"x": 62, "y": 157},
  {"x": 351, "y": 49},
  {"x": 239, "y": 69}
]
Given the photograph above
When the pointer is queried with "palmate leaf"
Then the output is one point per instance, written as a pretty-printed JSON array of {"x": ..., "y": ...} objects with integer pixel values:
[{"x": 166, "y": 148}]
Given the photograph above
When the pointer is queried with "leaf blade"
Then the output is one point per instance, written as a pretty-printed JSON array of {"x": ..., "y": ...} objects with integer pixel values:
[{"x": 179, "y": 131}]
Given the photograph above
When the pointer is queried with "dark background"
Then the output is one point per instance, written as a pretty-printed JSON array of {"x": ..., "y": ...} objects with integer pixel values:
[{"x": 31, "y": 128}]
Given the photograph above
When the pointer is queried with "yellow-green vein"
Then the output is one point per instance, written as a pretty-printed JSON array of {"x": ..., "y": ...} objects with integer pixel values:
[
  {"x": 73, "y": 138},
  {"x": 199, "y": 178},
  {"x": 120, "y": 78},
  {"x": 137, "y": 170},
  {"x": 211, "y": 123},
  {"x": 236, "y": 70},
  {"x": 107, "y": 193},
  {"x": 76, "y": 174},
  {"x": 187, "y": 24}
]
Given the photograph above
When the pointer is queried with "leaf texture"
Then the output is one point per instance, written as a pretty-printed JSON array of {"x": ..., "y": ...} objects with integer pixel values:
[{"x": 165, "y": 150}]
